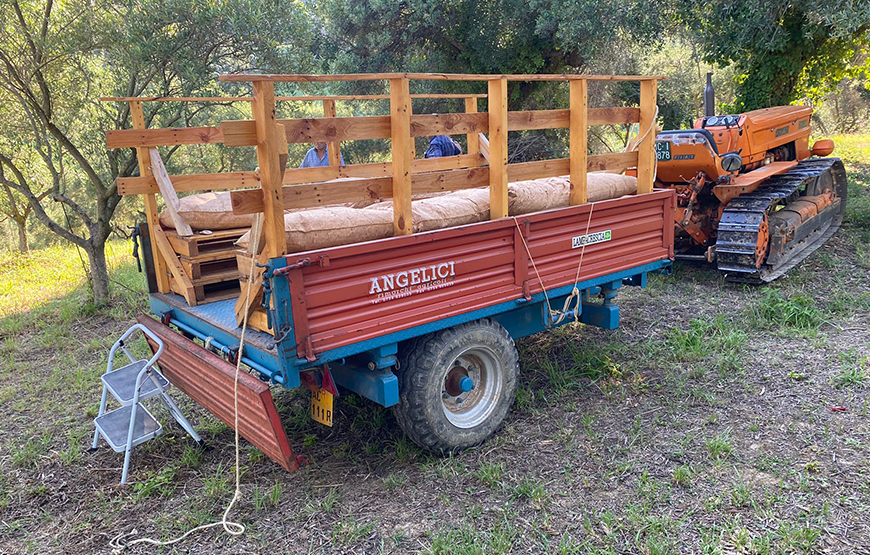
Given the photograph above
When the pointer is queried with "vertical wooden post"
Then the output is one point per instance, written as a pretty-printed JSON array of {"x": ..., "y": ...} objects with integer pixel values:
[
  {"x": 577, "y": 129},
  {"x": 401, "y": 147},
  {"x": 269, "y": 153},
  {"x": 333, "y": 147},
  {"x": 498, "y": 149},
  {"x": 472, "y": 138},
  {"x": 151, "y": 214},
  {"x": 646, "y": 156}
]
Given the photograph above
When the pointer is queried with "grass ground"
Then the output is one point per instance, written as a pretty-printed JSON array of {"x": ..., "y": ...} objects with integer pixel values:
[{"x": 702, "y": 425}]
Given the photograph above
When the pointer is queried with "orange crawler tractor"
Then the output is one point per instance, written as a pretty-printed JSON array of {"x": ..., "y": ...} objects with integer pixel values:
[{"x": 748, "y": 195}]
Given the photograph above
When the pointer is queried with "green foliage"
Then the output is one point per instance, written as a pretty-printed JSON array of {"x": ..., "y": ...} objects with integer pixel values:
[
  {"x": 796, "y": 312},
  {"x": 781, "y": 50}
]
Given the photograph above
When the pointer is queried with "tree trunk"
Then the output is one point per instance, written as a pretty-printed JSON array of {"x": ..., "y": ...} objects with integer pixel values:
[
  {"x": 99, "y": 273},
  {"x": 22, "y": 236}
]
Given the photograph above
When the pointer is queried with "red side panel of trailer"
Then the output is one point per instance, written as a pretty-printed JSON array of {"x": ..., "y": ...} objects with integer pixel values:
[{"x": 357, "y": 292}]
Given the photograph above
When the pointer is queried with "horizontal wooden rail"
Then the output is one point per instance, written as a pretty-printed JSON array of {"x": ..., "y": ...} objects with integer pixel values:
[
  {"x": 247, "y": 180},
  {"x": 380, "y": 188},
  {"x": 170, "y": 136},
  {"x": 360, "y": 190},
  {"x": 307, "y": 130},
  {"x": 283, "y": 98},
  {"x": 189, "y": 182},
  {"x": 299, "y": 78}
]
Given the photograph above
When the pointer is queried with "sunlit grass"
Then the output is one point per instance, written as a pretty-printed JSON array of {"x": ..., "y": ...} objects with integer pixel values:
[{"x": 54, "y": 279}]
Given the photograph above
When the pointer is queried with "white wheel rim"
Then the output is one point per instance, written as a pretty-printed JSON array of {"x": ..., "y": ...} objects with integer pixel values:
[{"x": 472, "y": 408}]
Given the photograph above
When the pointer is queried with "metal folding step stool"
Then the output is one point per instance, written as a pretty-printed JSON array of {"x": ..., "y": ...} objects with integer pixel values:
[{"x": 132, "y": 424}]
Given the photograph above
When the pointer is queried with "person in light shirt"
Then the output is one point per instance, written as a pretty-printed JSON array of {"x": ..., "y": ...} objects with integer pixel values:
[{"x": 317, "y": 156}]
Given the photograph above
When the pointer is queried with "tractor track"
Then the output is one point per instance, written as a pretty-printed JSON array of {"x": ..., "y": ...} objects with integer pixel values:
[{"x": 745, "y": 216}]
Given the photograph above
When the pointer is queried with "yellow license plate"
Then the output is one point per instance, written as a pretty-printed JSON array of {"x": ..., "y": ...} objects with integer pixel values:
[{"x": 321, "y": 407}]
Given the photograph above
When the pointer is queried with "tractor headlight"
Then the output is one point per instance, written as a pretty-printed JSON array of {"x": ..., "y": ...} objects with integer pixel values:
[{"x": 731, "y": 162}]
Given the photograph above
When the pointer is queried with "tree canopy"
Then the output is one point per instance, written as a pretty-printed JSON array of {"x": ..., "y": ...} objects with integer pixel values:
[{"x": 782, "y": 50}]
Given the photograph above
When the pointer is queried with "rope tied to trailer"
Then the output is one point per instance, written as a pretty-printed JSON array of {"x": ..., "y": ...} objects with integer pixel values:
[
  {"x": 232, "y": 528},
  {"x": 557, "y": 316}
]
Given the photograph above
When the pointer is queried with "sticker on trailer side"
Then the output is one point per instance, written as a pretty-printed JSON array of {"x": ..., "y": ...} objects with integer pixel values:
[{"x": 590, "y": 239}]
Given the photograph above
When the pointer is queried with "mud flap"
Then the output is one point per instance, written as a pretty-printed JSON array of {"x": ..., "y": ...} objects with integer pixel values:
[{"x": 208, "y": 379}]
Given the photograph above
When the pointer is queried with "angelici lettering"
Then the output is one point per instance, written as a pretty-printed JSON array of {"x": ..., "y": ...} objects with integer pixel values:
[{"x": 412, "y": 278}]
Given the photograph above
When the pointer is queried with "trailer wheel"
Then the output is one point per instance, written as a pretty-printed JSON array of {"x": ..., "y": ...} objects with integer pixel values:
[{"x": 457, "y": 385}]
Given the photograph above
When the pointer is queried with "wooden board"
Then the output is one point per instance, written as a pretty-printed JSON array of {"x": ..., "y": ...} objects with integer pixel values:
[
  {"x": 306, "y": 78},
  {"x": 170, "y": 198},
  {"x": 472, "y": 139},
  {"x": 198, "y": 245},
  {"x": 646, "y": 156},
  {"x": 577, "y": 137},
  {"x": 186, "y": 183},
  {"x": 400, "y": 147},
  {"x": 152, "y": 216},
  {"x": 498, "y": 149},
  {"x": 270, "y": 148},
  {"x": 170, "y": 136}
]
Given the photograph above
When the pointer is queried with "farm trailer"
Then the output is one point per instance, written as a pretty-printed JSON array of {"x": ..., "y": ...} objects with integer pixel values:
[{"x": 421, "y": 322}]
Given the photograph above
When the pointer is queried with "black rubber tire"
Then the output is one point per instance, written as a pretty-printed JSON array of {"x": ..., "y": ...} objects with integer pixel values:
[{"x": 420, "y": 411}]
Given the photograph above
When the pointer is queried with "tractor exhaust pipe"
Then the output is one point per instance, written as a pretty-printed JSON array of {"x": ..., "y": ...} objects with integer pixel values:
[{"x": 709, "y": 98}]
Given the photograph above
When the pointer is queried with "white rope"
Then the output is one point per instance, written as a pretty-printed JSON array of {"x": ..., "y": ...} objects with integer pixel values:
[
  {"x": 556, "y": 316},
  {"x": 118, "y": 544}
]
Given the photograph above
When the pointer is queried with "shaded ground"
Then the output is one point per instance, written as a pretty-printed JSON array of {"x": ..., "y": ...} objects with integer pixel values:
[{"x": 702, "y": 425}]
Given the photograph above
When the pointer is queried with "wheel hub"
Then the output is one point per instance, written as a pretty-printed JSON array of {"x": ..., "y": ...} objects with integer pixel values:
[{"x": 471, "y": 386}]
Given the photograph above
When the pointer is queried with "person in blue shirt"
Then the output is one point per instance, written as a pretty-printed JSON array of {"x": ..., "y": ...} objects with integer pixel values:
[
  {"x": 317, "y": 156},
  {"x": 442, "y": 145}
]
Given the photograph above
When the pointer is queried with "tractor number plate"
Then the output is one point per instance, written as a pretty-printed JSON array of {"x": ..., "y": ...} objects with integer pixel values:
[
  {"x": 321, "y": 407},
  {"x": 663, "y": 151}
]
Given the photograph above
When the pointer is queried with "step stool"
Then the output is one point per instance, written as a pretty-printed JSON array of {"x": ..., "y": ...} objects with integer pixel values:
[{"x": 132, "y": 424}]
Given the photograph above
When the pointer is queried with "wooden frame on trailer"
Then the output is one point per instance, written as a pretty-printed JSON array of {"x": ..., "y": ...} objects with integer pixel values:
[{"x": 484, "y": 164}]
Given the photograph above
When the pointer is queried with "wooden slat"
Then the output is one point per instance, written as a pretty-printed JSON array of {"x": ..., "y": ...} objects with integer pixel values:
[
  {"x": 146, "y": 184},
  {"x": 269, "y": 152},
  {"x": 483, "y": 142},
  {"x": 537, "y": 119},
  {"x": 305, "y": 78},
  {"x": 241, "y": 133},
  {"x": 246, "y": 180},
  {"x": 537, "y": 169},
  {"x": 400, "y": 147},
  {"x": 448, "y": 124},
  {"x": 151, "y": 214},
  {"x": 168, "y": 193},
  {"x": 309, "y": 130},
  {"x": 281, "y": 98},
  {"x": 617, "y": 161},
  {"x": 447, "y": 163},
  {"x": 333, "y": 148},
  {"x": 498, "y": 148},
  {"x": 170, "y": 136},
  {"x": 560, "y": 119},
  {"x": 646, "y": 156},
  {"x": 613, "y": 116},
  {"x": 473, "y": 139},
  {"x": 182, "y": 281},
  {"x": 375, "y": 189},
  {"x": 247, "y": 303},
  {"x": 578, "y": 96}
]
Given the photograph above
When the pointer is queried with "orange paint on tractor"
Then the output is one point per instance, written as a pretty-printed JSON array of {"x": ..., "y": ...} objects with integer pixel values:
[{"x": 726, "y": 157}]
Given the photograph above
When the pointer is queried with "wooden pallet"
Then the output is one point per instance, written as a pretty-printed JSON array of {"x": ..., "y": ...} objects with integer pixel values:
[
  {"x": 209, "y": 261},
  {"x": 200, "y": 244}
]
